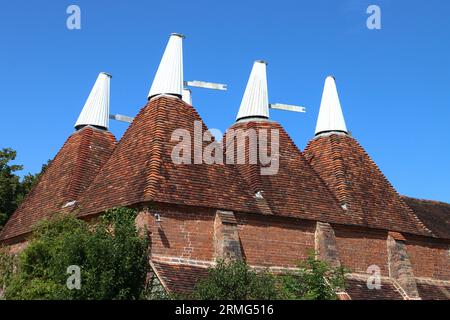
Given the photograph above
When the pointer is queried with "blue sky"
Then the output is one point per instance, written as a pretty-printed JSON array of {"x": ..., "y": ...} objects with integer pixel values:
[{"x": 394, "y": 83}]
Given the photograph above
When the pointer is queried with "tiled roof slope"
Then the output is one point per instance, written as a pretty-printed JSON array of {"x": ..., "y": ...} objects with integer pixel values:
[
  {"x": 296, "y": 190},
  {"x": 358, "y": 183},
  {"x": 357, "y": 290},
  {"x": 67, "y": 176},
  {"x": 433, "y": 291},
  {"x": 178, "y": 278},
  {"x": 435, "y": 215},
  {"x": 141, "y": 168},
  {"x": 182, "y": 279}
]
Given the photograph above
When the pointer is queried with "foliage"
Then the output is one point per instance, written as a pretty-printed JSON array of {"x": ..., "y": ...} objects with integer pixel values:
[
  {"x": 314, "y": 280},
  {"x": 112, "y": 256},
  {"x": 12, "y": 189},
  {"x": 9, "y": 184},
  {"x": 234, "y": 280},
  {"x": 6, "y": 268}
]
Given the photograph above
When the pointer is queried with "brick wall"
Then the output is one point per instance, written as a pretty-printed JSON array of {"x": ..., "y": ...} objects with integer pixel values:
[
  {"x": 269, "y": 241},
  {"x": 361, "y": 248},
  {"x": 188, "y": 233},
  {"x": 183, "y": 232},
  {"x": 429, "y": 260},
  {"x": 18, "y": 247}
]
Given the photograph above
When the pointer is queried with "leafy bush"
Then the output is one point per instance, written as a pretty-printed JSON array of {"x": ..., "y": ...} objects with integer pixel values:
[
  {"x": 6, "y": 269},
  {"x": 235, "y": 281},
  {"x": 111, "y": 254},
  {"x": 314, "y": 280}
]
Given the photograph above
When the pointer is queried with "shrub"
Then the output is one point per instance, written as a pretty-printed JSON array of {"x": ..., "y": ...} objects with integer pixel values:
[
  {"x": 235, "y": 281},
  {"x": 111, "y": 254},
  {"x": 314, "y": 280},
  {"x": 6, "y": 269}
]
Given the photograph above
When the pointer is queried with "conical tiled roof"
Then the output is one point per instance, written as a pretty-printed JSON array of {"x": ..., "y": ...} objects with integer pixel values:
[
  {"x": 280, "y": 179},
  {"x": 141, "y": 168},
  {"x": 295, "y": 189},
  {"x": 359, "y": 185},
  {"x": 67, "y": 176}
]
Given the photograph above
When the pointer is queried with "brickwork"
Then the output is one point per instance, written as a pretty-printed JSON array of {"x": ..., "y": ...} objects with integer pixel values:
[
  {"x": 400, "y": 268},
  {"x": 430, "y": 258},
  {"x": 182, "y": 232},
  {"x": 227, "y": 244},
  {"x": 361, "y": 248},
  {"x": 268, "y": 241},
  {"x": 18, "y": 247},
  {"x": 325, "y": 244}
]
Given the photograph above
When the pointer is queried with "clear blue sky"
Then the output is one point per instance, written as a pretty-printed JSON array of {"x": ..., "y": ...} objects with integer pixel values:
[{"x": 394, "y": 83}]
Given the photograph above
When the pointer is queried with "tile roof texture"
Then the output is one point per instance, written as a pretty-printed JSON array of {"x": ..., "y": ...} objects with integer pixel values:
[
  {"x": 181, "y": 279},
  {"x": 141, "y": 168},
  {"x": 296, "y": 190},
  {"x": 434, "y": 215},
  {"x": 65, "y": 179},
  {"x": 177, "y": 278},
  {"x": 357, "y": 289},
  {"x": 358, "y": 183},
  {"x": 431, "y": 291}
]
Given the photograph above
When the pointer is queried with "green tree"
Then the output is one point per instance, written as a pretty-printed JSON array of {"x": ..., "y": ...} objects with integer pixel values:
[
  {"x": 235, "y": 280},
  {"x": 314, "y": 280},
  {"x": 9, "y": 184},
  {"x": 13, "y": 190},
  {"x": 112, "y": 256}
]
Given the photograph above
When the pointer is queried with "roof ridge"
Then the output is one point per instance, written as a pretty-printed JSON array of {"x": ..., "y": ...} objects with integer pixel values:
[
  {"x": 79, "y": 168},
  {"x": 340, "y": 168},
  {"x": 254, "y": 179},
  {"x": 153, "y": 168},
  {"x": 342, "y": 197}
]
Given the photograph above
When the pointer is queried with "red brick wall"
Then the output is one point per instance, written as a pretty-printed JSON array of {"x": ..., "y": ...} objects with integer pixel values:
[
  {"x": 268, "y": 241},
  {"x": 183, "y": 232},
  {"x": 430, "y": 260},
  {"x": 18, "y": 247},
  {"x": 359, "y": 249}
]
